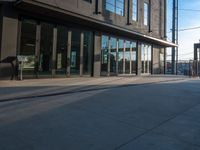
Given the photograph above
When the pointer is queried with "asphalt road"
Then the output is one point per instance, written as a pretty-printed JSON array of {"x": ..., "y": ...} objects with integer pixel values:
[{"x": 156, "y": 116}]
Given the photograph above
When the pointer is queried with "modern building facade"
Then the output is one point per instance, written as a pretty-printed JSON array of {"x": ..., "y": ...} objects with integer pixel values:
[{"x": 63, "y": 38}]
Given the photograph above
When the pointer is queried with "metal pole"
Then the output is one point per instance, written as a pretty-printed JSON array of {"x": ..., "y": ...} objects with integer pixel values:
[{"x": 175, "y": 36}]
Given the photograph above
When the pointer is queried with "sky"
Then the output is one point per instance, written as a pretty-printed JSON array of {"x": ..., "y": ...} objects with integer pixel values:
[{"x": 189, "y": 17}]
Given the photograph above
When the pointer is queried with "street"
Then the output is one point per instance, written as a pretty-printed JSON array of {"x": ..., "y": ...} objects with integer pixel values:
[{"x": 119, "y": 113}]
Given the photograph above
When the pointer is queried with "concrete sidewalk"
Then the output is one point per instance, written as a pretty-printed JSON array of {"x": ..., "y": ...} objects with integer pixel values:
[{"x": 10, "y": 90}]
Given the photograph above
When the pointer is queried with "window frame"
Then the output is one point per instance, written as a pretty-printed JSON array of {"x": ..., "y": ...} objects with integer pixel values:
[
  {"x": 115, "y": 7},
  {"x": 146, "y": 13},
  {"x": 135, "y": 10},
  {"x": 89, "y": 1}
]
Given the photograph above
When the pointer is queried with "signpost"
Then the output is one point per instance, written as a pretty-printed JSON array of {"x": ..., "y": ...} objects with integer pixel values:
[{"x": 21, "y": 59}]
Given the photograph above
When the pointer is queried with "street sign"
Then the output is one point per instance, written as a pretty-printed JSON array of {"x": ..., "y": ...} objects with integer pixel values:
[{"x": 21, "y": 59}]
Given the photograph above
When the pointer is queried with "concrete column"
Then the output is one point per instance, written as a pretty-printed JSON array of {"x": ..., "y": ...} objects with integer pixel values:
[
  {"x": 9, "y": 35},
  {"x": 139, "y": 63},
  {"x": 37, "y": 49},
  {"x": 54, "y": 51},
  {"x": 131, "y": 55},
  {"x": 108, "y": 71},
  {"x": 81, "y": 53},
  {"x": 69, "y": 52},
  {"x": 117, "y": 64},
  {"x": 97, "y": 54},
  {"x": 124, "y": 44}
]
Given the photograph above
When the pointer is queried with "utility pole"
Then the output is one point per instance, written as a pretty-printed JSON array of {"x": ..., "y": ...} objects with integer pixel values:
[{"x": 175, "y": 36}]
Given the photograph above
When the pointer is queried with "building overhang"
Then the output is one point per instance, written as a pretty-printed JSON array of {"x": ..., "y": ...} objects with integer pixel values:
[{"x": 56, "y": 12}]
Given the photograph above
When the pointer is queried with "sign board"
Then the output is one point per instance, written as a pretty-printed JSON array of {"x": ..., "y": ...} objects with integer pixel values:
[{"x": 21, "y": 58}]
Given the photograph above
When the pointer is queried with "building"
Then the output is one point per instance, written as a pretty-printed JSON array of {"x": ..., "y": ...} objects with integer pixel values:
[{"x": 84, "y": 37}]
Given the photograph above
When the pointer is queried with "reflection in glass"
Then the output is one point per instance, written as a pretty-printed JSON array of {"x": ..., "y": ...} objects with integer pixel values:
[
  {"x": 146, "y": 13},
  {"x": 146, "y": 58},
  {"x": 135, "y": 10},
  {"x": 104, "y": 53},
  {"x": 113, "y": 54},
  {"x": 61, "y": 54},
  {"x": 75, "y": 52},
  {"x": 120, "y": 56},
  {"x": 162, "y": 63},
  {"x": 87, "y": 53},
  {"x": 127, "y": 57},
  {"x": 27, "y": 47},
  {"x": 115, "y": 6},
  {"x": 46, "y": 47},
  {"x": 134, "y": 57}
]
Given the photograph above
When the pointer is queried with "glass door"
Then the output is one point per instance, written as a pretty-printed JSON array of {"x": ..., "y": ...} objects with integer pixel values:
[
  {"x": 28, "y": 44},
  {"x": 146, "y": 59},
  {"x": 104, "y": 54},
  {"x": 133, "y": 57},
  {"x": 46, "y": 48},
  {"x": 75, "y": 52},
  {"x": 87, "y": 53},
  {"x": 120, "y": 56},
  {"x": 127, "y": 57},
  {"x": 113, "y": 55},
  {"x": 61, "y": 53}
]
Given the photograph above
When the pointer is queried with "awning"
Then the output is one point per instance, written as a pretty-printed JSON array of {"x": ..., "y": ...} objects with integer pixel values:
[{"x": 56, "y": 12}]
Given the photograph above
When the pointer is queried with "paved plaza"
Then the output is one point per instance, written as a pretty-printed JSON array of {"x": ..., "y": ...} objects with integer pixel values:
[{"x": 108, "y": 113}]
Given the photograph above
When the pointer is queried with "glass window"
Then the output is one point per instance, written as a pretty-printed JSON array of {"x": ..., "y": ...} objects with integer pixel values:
[
  {"x": 162, "y": 63},
  {"x": 146, "y": 14},
  {"x": 87, "y": 53},
  {"x": 46, "y": 49},
  {"x": 116, "y": 6},
  {"x": 135, "y": 10},
  {"x": 104, "y": 53},
  {"x": 61, "y": 54},
  {"x": 127, "y": 57},
  {"x": 113, "y": 54},
  {"x": 146, "y": 58},
  {"x": 120, "y": 55},
  {"x": 134, "y": 57},
  {"x": 28, "y": 42},
  {"x": 75, "y": 52}
]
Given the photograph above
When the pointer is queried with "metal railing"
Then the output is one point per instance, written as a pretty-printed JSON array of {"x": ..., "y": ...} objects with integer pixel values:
[{"x": 185, "y": 67}]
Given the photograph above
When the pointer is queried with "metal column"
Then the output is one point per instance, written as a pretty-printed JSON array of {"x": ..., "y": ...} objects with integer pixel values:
[{"x": 175, "y": 36}]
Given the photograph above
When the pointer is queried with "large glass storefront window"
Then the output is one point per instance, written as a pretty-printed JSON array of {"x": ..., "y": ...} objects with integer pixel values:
[
  {"x": 28, "y": 43},
  {"x": 46, "y": 49},
  {"x": 113, "y": 54},
  {"x": 146, "y": 58},
  {"x": 134, "y": 57},
  {"x": 120, "y": 56},
  {"x": 104, "y": 53},
  {"x": 123, "y": 55},
  {"x": 87, "y": 53},
  {"x": 54, "y": 53},
  {"x": 75, "y": 52},
  {"x": 61, "y": 53}
]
